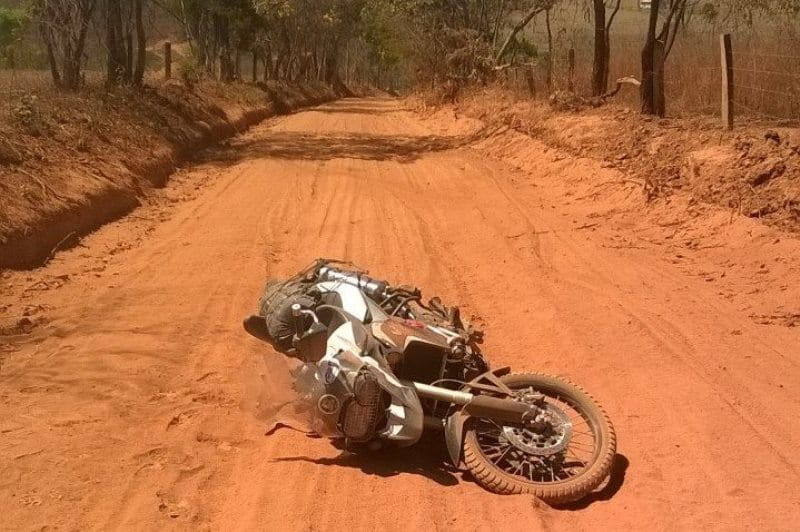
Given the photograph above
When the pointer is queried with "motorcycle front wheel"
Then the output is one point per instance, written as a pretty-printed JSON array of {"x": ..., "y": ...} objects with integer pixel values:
[{"x": 561, "y": 460}]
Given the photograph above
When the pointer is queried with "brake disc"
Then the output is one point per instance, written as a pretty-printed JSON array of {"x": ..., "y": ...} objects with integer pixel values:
[{"x": 552, "y": 438}]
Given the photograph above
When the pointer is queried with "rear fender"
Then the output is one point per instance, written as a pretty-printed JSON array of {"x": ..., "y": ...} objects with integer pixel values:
[{"x": 454, "y": 425}]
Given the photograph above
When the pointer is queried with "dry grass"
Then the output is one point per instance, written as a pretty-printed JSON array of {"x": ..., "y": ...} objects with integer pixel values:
[{"x": 766, "y": 59}]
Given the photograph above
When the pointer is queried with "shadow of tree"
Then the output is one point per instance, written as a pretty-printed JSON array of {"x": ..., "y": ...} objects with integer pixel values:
[
  {"x": 364, "y": 108},
  {"x": 301, "y": 146}
]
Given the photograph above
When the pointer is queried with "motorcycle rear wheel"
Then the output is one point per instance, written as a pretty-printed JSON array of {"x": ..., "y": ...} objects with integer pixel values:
[{"x": 577, "y": 459}]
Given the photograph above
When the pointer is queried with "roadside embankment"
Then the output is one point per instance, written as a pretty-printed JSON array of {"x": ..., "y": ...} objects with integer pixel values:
[
  {"x": 752, "y": 171},
  {"x": 72, "y": 162}
]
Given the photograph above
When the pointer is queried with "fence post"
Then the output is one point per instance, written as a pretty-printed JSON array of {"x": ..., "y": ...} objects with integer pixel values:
[
  {"x": 255, "y": 66},
  {"x": 167, "y": 60},
  {"x": 726, "y": 60},
  {"x": 571, "y": 62},
  {"x": 530, "y": 80}
]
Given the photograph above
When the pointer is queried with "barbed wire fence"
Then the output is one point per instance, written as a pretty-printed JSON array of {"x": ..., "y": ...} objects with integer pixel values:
[
  {"x": 765, "y": 83},
  {"x": 765, "y": 73}
]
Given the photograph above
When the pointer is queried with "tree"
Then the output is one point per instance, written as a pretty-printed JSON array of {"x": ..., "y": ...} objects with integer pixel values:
[
  {"x": 125, "y": 59},
  {"x": 655, "y": 52},
  {"x": 63, "y": 25},
  {"x": 141, "y": 43},
  {"x": 538, "y": 6},
  {"x": 602, "y": 45},
  {"x": 11, "y": 22}
]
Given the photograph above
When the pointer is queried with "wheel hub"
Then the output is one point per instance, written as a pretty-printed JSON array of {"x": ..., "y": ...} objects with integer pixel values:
[{"x": 549, "y": 433}]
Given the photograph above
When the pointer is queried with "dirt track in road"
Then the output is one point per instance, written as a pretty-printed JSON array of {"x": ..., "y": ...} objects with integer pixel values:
[{"x": 125, "y": 409}]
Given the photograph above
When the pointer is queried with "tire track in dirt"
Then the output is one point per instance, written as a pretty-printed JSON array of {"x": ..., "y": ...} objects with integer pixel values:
[{"x": 126, "y": 408}]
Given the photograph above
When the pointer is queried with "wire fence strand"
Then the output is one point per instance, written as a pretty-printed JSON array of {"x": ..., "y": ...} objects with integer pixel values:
[
  {"x": 761, "y": 89},
  {"x": 756, "y": 112},
  {"x": 757, "y": 71},
  {"x": 779, "y": 56}
]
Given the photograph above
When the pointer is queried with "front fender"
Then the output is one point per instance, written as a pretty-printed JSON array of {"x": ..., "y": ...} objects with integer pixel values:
[
  {"x": 454, "y": 424},
  {"x": 454, "y": 435}
]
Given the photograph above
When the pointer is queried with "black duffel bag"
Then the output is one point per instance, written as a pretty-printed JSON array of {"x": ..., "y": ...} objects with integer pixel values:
[{"x": 275, "y": 306}]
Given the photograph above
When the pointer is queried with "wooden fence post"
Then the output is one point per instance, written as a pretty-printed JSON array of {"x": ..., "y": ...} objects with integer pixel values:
[
  {"x": 529, "y": 79},
  {"x": 167, "y": 60},
  {"x": 726, "y": 60},
  {"x": 571, "y": 62}
]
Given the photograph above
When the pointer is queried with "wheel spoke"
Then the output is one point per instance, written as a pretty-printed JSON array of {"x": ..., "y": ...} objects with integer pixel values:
[
  {"x": 575, "y": 458},
  {"x": 564, "y": 450},
  {"x": 580, "y": 421},
  {"x": 502, "y": 455}
]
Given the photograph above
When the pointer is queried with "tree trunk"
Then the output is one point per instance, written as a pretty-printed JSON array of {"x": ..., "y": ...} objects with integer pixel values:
[
  {"x": 128, "y": 57},
  {"x": 647, "y": 91},
  {"x": 141, "y": 44},
  {"x": 332, "y": 64},
  {"x": 276, "y": 68},
  {"x": 549, "y": 51},
  {"x": 115, "y": 44},
  {"x": 600, "y": 64},
  {"x": 226, "y": 66},
  {"x": 659, "y": 99},
  {"x": 63, "y": 27},
  {"x": 51, "y": 56},
  {"x": 608, "y": 43},
  {"x": 237, "y": 65},
  {"x": 538, "y": 7},
  {"x": 72, "y": 59}
]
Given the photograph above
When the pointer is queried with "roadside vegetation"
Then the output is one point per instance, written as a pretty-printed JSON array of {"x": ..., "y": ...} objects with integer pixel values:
[
  {"x": 82, "y": 79},
  {"x": 668, "y": 49}
]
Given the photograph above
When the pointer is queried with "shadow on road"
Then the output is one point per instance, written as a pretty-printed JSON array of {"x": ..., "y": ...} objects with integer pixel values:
[
  {"x": 301, "y": 146},
  {"x": 427, "y": 458},
  {"x": 607, "y": 491},
  {"x": 363, "y": 108}
]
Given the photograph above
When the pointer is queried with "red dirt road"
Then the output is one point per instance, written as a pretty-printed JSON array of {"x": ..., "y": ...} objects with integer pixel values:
[{"x": 128, "y": 407}]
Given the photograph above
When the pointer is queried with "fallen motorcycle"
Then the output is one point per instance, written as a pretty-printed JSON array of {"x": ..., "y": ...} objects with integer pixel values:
[{"x": 381, "y": 366}]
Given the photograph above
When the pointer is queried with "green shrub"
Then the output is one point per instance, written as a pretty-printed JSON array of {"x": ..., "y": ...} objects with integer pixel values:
[
  {"x": 11, "y": 22},
  {"x": 190, "y": 70}
]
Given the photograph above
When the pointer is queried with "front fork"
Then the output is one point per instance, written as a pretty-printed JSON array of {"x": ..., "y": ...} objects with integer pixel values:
[
  {"x": 503, "y": 410},
  {"x": 472, "y": 405}
]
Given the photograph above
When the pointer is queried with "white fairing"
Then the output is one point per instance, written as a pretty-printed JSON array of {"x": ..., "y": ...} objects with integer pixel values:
[
  {"x": 404, "y": 415},
  {"x": 353, "y": 301},
  {"x": 342, "y": 339}
]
